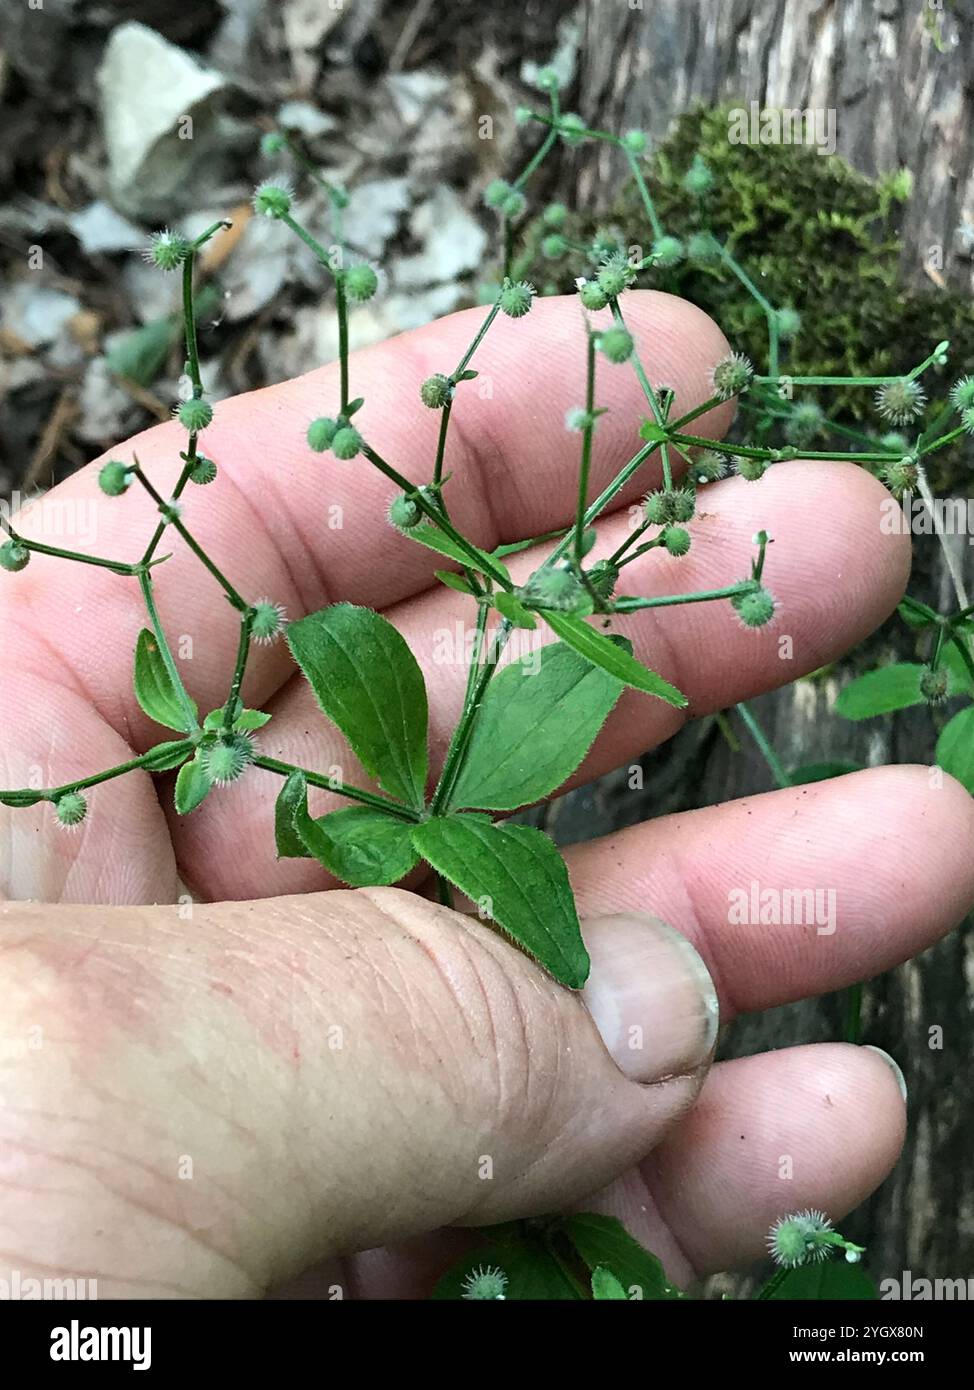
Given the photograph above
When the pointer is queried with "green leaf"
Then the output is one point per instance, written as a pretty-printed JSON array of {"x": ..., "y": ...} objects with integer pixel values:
[
  {"x": 821, "y": 772},
  {"x": 368, "y": 682},
  {"x": 141, "y": 355},
  {"x": 831, "y": 1279},
  {"x": 511, "y": 608},
  {"x": 538, "y": 719},
  {"x": 531, "y": 1271},
  {"x": 154, "y": 688},
  {"x": 429, "y": 535},
  {"x": 246, "y": 719},
  {"x": 604, "y": 1241},
  {"x": 889, "y": 688},
  {"x": 606, "y": 1285},
  {"x": 290, "y": 798},
  {"x": 453, "y": 581},
  {"x": 20, "y": 798},
  {"x": 165, "y": 756},
  {"x": 960, "y": 676},
  {"x": 602, "y": 651},
  {"x": 518, "y": 880},
  {"x": 192, "y": 786},
  {"x": 955, "y": 747},
  {"x": 367, "y": 848},
  {"x": 652, "y": 432}
]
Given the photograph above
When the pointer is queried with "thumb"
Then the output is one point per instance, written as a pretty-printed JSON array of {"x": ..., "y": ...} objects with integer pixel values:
[{"x": 215, "y": 1104}]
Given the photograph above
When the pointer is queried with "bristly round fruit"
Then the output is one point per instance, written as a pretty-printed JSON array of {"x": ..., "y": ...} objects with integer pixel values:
[
  {"x": 485, "y": 1283},
  {"x": 900, "y": 401},
  {"x": 616, "y": 344},
  {"x": 195, "y": 414},
  {"x": 435, "y": 391},
  {"x": 698, "y": 179},
  {"x": 665, "y": 507},
  {"x": 750, "y": 469},
  {"x": 516, "y": 298},
  {"x": 635, "y": 141},
  {"x": 273, "y": 198},
  {"x": 731, "y": 376},
  {"x": 547, "y": 80},
  {"x": 361, "y": 282},
  {"x": 704, "y": 247},
  {"x": 592, "y": 295},
  {"x": 514, "y": 204},
  {"x": 967, "y": 419},
  {"x": 496, "y": 192},
  {"x": 14, "y": 557},
  {"x": 962, "y": 393},
  {"x": 710, "y": 467},
  {"x": 268, "y": 621},
  {"x": 934, "y": 684},
  {"x": 405, "y": 512},
  {"x": 789, "y": 322},
  {"x": 555, "y": 215},
  {"x": 572, "y": 128},
  {"x": 346, "y": 443},
  {"x": 676, "y": 540},
  {"x": 901, "y": 476},
  {"x": 615, "y": 275},
  {"x": 553, "y": 586},
  {"x": 603, "y": 577},
  {"x": 321, "y": 432},
  {"x": 755, "y": 607},
  {"x": 226, "y": 758},
  {"x": 114, "y": 477},
  {"x": 554, "y": 246},
  {"x": 272, "y": 142},
  {"x": 895, "y": 443},
  {"x": 203, "y": 471},
  {"x": 797, "y": 1240},
  {"x": 167, "y": 249},
  {"x": 668, "y": 251},
  {"x": 805, "y": 422},
  {"x": 70, "y": 809}
]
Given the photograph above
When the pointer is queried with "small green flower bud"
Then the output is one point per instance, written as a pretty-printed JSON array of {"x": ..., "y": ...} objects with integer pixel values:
[
  {"x": 755, "y": 608},
  {"x": 496, "y": 192},
  {"x": 516, "y": 298},
  {"x": 547, "y": 79},
  {"x": 750, "y": 469},
  {"x": 405, "y": 512},
  {"x": 514, "y": 204},
  {"x": 603, "y": 577},
  {"x": 271, "y": 143},
  {"x": 604, "y": 244},
  {"x": 616, "y": 343},
  {"x": 901, "y": 476},
  {"x": 704, "y": 247},
  {"x": 572, "y": 128},
  {"x": 273, "y": 199},
  {"x": 962, "y": 393},
  {"x": 195, "y": 414},
  {"x": 789, "y": 322},
  {"x": 268, "y": 622},
  {"x": 805, "y": 422},
  {"x": 553, "y": 586},
  {"x": 668, "y": 251},
  {"x": 698, "y": 179},
  {"x": 710, "y": 467},
  {"x": 321, "y": 432},
  {"x": 555, "y": 215},
  {"x": 166, "y": 249},
  {"x": 592, "y": 295},
  {"x": 614, "y": 277},
  {"x": 435, "y": 391},
  {"x": 70, "y": 809},
  {"x": 203, "y": 471},
  {"x": 635, "y": 141},
  {"x": 901, "y": 401},
  {"x": 226, "y": 758},
  {"x": 554, "y": 247},
  {"x": 14, "y": 557},
  {"x": 361, "y": 283},
  {"x": 731, "y": 376},
  {"x": 346, "y": 443},
  {"x": 488, "y": 1283},
  {"x": 114, "y": 477},
  {"x": 934, "y": 684},
  {"x": 677, "y": 540}
]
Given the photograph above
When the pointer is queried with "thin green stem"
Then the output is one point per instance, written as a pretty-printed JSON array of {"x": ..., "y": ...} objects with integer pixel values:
[
  {"x": 341, "y": 302},
  {"x": 340, "y": 788},
  {"x": 635, "y": 605},
  {"x": 81, "y": 784},
  {"x": 464, "y": 729},
  {"x": 767, "y": 752},
  {"x": 175, "y": 522},
  {"x": 243, "y": 654},
  {"x": 478, "y": 339}
]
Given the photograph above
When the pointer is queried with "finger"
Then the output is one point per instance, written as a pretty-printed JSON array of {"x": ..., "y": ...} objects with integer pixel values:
[
  {"x": 702, "y": 648},
  {"x": 218, "y": 1104},
  {"x": 808, "y": 1127},
  {"x": 305, "y": 529},
  {"x": 797, "y": 892}
]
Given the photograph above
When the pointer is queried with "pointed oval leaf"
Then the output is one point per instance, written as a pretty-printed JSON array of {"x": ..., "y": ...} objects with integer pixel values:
[
  {"x": 192, "y": 786},
  {"x": 154, "y": 688},
  {"x": 518, "y": 879},
  {"x": 434, "y": 539},
  {"x": 367, "y": 848},
  {"x": 832, "y": 1279},
  {"x": 166, "y": 756},
  {"x": 368, "y": 682},
  {"x": 955, "y": 747},
  {"x": 603, "y": 1242},
  {"x": 606, "y": 1285},
  {"x": 537, "y": 721},
  {"x": 292, "y": 796},
  {"x": 601, "y": 651}
]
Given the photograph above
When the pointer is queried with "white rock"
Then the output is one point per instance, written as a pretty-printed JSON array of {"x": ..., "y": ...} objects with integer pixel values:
[
  {"x": 373, "y": 213},
  {"x": 99, "y": 228},
  {"x": 453, "y": 241},
  {"x": 37, "y": 313}
]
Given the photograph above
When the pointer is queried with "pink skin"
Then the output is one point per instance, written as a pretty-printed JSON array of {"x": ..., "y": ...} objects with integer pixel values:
[{"x": 247, "y": 996}]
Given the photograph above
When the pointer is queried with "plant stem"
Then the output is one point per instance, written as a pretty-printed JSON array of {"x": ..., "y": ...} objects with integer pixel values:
[
  {"x": 633, "y": 605},
  {"x": 340, "y": 788},
  {"x": 243, "y": 653},
  {"x": 770, "y": 756},
  {"x": 83, "y": 783},
  {"x": 461, "y": 734},
  {"x": 239, "y": 603}
]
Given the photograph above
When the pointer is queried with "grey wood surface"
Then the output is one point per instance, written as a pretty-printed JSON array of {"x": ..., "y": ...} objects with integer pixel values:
[{"x": 899, "y": 101}]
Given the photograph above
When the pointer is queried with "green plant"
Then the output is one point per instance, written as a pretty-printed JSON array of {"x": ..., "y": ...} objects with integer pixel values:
[{"x": 368, "y": 683}]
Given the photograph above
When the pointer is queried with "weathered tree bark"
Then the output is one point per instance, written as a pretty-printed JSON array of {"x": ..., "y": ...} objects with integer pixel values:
[{"x": 898, "y": 102}]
